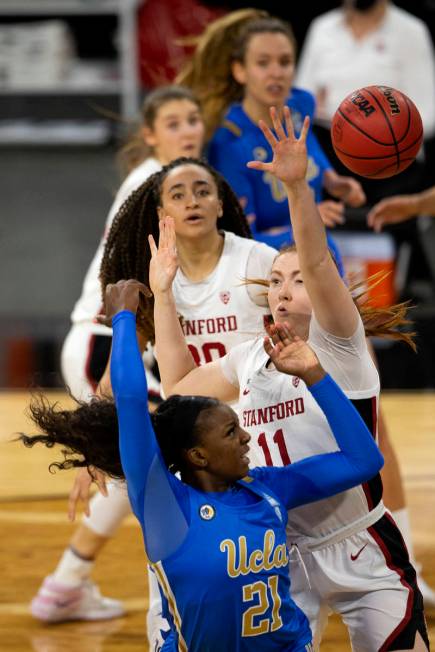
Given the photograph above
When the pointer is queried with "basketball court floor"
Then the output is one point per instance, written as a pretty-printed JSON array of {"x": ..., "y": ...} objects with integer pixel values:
[{"x": 34, "y": 530}]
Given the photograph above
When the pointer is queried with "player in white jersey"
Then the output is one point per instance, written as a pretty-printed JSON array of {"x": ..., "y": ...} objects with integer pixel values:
[
  {"x": 352, "y": 551},
  {"x": 172, "y": 126}
]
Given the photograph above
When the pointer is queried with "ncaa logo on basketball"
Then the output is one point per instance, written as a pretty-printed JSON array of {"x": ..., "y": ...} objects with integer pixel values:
[
  {"x": 362, "y": 104},
  {"x": 225, "y": 297},
  {"x": 207, "y": 512}
]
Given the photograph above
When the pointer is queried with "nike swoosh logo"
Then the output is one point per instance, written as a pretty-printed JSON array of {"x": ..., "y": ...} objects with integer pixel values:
[
  {"x": 353, "y": 557},
  {"x": 245, "y": 391}
]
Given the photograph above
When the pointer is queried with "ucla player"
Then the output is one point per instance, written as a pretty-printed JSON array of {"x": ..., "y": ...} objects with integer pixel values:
[
  {"x": 243, "y": 64},
  {"x": 237, "y": 516},
  {"x": 355, "y": 556}
]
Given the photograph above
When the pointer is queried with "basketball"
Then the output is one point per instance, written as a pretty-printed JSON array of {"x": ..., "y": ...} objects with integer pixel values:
[{"x": 377, "y": 132}]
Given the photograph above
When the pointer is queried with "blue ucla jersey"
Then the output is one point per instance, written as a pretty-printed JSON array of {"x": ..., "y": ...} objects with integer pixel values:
[
  {"x": 238, "y": 594},
  {"x": 221, "y": 558},
  {"x": 238, "y": 141}
]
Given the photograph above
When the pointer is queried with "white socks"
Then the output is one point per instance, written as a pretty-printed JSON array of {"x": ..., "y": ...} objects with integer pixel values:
[{"x": 71, "y": 569}]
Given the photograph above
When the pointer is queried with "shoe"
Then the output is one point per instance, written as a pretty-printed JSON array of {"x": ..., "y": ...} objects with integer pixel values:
[
  {"x": 426, "y": 591},
  {"x": 56, "y": 602}
]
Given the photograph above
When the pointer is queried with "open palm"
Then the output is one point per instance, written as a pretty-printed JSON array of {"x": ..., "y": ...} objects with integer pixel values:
[
  {"x": 289, "y": 353},
  {"x": 164, "y": 259},
  {"x": 289, "y": 163}
]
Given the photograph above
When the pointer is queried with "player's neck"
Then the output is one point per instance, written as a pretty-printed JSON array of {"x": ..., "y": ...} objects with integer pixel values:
[
  {"x": 363, "y": 23},
  {"x": 256, "y": 111},
  {"x": 198, "y": 258}
]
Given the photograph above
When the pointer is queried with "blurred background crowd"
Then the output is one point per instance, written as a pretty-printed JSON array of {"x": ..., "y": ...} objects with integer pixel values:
[{"x": 73, "y": 76}]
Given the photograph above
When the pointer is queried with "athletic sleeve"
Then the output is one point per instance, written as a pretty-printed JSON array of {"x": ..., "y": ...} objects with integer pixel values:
[
  {"x": 346, "y": 359},
  {"x": 152, "y": 490},
  {"x": 232, "y": 363},
  {"x": 321, "y": 476}
]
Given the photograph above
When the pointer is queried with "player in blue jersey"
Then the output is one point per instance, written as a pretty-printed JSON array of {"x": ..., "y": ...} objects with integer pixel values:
[
  {"x": 219, "y": 507},
  {"x": 243, "y": 64}
]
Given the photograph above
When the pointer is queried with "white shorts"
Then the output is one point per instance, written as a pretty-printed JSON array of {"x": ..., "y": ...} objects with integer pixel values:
[
  {"x": 84, "y": 358},
  {"x": 368, "y": 579},
  {"x": 78, "y": 361}
]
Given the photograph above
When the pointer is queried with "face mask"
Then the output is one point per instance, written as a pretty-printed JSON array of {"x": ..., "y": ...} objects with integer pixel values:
[{"x": 363, "y": 5}]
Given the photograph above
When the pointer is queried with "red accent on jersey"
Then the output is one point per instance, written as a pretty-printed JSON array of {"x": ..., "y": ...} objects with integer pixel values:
[{"x": 400, "y": 571}]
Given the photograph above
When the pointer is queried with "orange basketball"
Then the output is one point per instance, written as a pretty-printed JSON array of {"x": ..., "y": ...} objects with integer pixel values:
[{"x": 377, "y": 132}]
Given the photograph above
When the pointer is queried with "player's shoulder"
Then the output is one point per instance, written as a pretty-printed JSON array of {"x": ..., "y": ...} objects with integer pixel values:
[
  {"x": 139, "y": 175},
  {"x": 326, "y": 21},
  {"x": 239, "y": 243},
  {"x": 234, "y": 127},
  {"x": 403, "y": 20},
  {"x": 301, "y": 101}
]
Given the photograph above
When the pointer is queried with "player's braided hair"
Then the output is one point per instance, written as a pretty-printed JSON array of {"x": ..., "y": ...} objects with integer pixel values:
[
  {"x": 135, "y": 150},
  {"x": 127, "y": 254},
  {"x": 225, "y": 40},
  {"x": 389, "y": 323},
  {"x": 90, "y": 437}
]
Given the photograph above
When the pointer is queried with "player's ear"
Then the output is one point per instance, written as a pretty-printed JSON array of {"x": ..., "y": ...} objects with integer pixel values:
[
  {"x": 220, "y": 209},
  {"x": 149, "y": 137},
  {"x": 239, "y": 72},
  {"x": 196, "y": 457}
]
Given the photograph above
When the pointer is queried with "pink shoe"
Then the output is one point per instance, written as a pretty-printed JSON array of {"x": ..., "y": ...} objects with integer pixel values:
[{"x": 56, "y": 602}]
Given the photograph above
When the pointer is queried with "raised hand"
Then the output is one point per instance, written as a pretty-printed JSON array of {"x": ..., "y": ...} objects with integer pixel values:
[
  {"x": 292, "y": 355},
  {"x": 289, "y": 163},
  {"x": 123, "y": 295},
  {"x": 164, "y": 259}
]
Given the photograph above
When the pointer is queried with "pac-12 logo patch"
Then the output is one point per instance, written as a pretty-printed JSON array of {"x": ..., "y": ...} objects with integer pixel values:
[
  {"x": 296, "y": 381},
  {"x": 225, "y": 296},
  {"x": 207, "y": 512}
]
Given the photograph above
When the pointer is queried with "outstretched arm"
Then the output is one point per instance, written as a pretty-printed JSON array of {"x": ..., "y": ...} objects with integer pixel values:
[
  {"x": 151, "y": 488},
  {"x": 320, "y": 476},
  {"x": 330, "y": 298},
  {"x": 178, "y": 371}
]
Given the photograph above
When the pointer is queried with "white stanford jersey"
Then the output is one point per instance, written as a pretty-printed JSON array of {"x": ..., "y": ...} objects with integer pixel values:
[
  {"x": 286, "y": 424},
  {"x": 220, "y": 312},
  {"x": 89, "y": 304}
]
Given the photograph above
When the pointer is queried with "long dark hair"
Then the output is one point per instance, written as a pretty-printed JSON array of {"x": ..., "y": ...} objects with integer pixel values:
[
  {"x": 127, "y": 253},
  {"x": 89, "y": 433}
]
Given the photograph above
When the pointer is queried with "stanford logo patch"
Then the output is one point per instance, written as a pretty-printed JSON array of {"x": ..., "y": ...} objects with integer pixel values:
[
  {"x": 224, "y": 297},
  {"x": 296, "y": 381}
]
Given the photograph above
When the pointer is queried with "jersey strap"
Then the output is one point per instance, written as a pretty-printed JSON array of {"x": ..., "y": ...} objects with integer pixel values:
[{"x": 231, "y": 126}]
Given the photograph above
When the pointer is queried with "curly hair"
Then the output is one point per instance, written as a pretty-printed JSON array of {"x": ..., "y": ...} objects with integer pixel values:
[
  {"x": 90, "y": 436},
  {"x": 127, "y": 254},
  {"x": 224, "y": 41},
  {"x": 135, "y": 150},
  {"x": 389, "y": 322}
]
